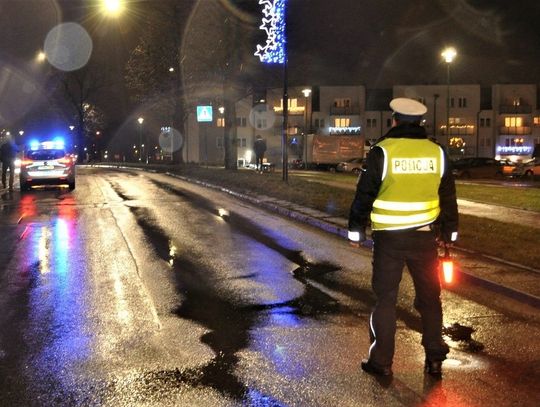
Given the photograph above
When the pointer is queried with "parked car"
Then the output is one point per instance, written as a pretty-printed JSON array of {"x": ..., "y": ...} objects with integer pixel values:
[
  {"x": 47, "y": 163},
  {"x": 532, "y": 168},
  {"x": 477, "y": 167},
  {"x": 518, "y": 169},
  {"x": 354, "y": 165}
]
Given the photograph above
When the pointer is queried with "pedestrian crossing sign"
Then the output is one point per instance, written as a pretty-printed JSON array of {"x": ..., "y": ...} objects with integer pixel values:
[{"x": 204, "y": 114}]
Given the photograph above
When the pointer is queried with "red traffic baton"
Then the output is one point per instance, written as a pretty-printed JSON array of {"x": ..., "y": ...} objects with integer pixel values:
[{"x": 446, "y": 264}]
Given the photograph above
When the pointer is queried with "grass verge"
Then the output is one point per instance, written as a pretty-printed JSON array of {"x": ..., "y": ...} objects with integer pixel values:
[
  {"x": 512, "y": 242},
  {"x": 514, "y": 196}
]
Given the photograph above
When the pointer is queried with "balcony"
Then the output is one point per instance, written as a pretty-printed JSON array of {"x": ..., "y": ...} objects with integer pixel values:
[
  {"x": 293, "y": 110},
  {"x": 511, "y": 109},
  {"x": 344, "y": 111},
  {"x": 515, "y": 131},
  {"x": 458, "y": 130}
]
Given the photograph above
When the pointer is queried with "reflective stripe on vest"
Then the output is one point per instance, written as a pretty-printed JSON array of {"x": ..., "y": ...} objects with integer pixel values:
[
  {"x": 419, "y": 219},
  {"x": 408, "y": 196},
  {"x": 405, "y": 206}
]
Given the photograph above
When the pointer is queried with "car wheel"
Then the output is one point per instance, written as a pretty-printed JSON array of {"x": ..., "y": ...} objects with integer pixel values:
[
  {"x": 356, "y": 171},
  {"x": 71, "y": 185}
]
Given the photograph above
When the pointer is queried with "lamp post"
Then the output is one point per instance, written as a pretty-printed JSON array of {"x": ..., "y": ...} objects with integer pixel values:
[
  {"x": 140, "y": 120},
  {"x": 435, "y": 97},
  {"x": 448, "y": 54},
  {"x": 307, "y": 93}
]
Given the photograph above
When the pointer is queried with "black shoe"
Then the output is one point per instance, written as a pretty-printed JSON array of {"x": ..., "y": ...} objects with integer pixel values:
[
  {"x": 433, "y": 367},
  {"x": 368, "y": 367}
]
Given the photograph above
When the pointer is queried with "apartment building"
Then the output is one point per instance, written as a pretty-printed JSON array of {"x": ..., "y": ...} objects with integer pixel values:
[{"x": 501, "y": 121}]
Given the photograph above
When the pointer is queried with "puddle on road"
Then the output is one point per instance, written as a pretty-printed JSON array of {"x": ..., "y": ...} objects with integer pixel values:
[
  {"x": 229, "y": 321},
  {"x": 120, "y": 191},
  {"x": 463, "y": 335}
]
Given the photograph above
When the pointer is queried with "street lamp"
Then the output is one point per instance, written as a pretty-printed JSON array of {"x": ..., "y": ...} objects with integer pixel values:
[
  {"x": 112, "y": 7},
  {"x": 307, "y": 93},
  {"x": 140, "y": 120},
  {"x": 448, "y": 54},
  {"x": 41, "y": 56}
]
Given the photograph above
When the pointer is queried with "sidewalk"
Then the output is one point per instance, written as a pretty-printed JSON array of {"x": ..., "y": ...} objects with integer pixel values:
[{"x": 515, "y": 281}]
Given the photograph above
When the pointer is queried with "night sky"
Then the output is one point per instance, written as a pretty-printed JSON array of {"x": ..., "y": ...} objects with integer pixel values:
[
  {"x": 382, "y": 43},
  {"x": 374, "y": 43}
]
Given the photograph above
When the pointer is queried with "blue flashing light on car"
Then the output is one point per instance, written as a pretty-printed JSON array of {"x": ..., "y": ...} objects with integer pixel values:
[
  {"x": 56, "y": 144},
  {"x": 34, "y": 145}
]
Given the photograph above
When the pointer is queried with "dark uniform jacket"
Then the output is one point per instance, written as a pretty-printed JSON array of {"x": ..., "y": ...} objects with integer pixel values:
[
  {"x": 259, "y": 146},
  {"x": 371, "y": 180},
  {"x": 8, "y": 151}
]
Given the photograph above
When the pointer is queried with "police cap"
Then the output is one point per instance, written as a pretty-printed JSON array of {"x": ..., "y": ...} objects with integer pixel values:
[{"x": 406, "y": 109}]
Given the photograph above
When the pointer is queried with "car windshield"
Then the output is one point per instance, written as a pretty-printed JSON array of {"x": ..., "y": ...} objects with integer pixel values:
[{"x": 44, "y": 155}]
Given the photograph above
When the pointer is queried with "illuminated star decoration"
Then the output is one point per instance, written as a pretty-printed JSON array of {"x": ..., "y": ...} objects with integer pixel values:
[{"x": 273, "y": 23}]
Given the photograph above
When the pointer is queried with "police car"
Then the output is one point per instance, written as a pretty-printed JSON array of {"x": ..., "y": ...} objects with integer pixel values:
[{"x": 47, "y": 163}]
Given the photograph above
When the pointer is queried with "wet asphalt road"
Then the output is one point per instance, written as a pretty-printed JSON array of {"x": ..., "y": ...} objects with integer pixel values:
[{"x": 132, "y": 290}]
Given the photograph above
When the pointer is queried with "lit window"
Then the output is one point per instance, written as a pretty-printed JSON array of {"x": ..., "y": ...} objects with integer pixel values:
[
  {"x": 342, "y": 103},
  {"x": 513, "y": 121},
  {"x": 536, "y": 120},
  {"x": 342, "y": 122},
  {"x": 220, "y": 122}
]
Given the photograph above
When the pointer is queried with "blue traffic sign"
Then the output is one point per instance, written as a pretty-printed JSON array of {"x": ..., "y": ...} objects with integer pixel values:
[{"x": 204, "y": 114}]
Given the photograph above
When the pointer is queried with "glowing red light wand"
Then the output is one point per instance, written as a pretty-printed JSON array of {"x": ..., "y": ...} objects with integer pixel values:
[{"x": 447, "y": 266}]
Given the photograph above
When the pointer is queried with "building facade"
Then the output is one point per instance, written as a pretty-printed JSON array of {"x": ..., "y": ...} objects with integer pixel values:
[{"x": 502, "y": 121}]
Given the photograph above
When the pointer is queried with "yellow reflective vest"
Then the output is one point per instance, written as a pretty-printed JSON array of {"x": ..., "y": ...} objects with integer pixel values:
[{"x": 409, "y": 194}]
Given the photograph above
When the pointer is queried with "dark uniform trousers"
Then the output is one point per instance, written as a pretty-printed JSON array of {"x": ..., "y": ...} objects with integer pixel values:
[{"x": 391, "y": 251}]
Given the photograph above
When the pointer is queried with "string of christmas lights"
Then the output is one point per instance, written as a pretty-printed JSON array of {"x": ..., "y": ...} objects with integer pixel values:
[{"x": 273, "y": 24}]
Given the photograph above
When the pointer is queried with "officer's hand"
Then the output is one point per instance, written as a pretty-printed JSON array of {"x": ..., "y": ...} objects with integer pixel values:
[
  {"x": 448, "y": 237},
  {"x": 356, "y": 237}
]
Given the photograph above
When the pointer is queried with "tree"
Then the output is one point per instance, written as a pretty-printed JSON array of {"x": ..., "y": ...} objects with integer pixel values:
[
  {"x": 154, "y": 70},
  {"x": 207, "y": 46},
  {"x": 77, "y": 88},
  {"x": 225, "y": 29}
]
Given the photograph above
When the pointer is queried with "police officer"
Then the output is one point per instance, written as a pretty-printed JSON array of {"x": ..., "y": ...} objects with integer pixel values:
[{"x": 408, "y": 193}]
